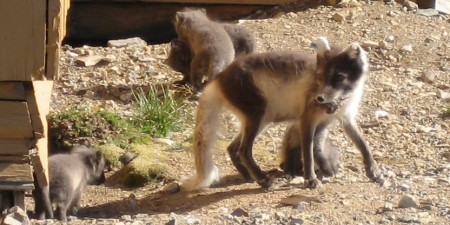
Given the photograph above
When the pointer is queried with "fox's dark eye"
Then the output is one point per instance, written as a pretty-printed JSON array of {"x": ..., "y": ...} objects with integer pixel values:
[{"x": 339, "y": 77}]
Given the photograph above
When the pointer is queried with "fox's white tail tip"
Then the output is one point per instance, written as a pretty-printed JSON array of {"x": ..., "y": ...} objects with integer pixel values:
[{"x": 197, "y": 182}]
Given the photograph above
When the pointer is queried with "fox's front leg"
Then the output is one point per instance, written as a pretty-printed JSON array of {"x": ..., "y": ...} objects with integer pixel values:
[
  {"x": 372, "y": 170},
  {"x": 307, "y": 137},
  {"x": 199, "y": 66}
]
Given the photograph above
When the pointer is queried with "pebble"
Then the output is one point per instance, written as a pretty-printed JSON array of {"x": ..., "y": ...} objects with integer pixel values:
[
  {"x": 239, "y": 212},
  {"x": 404, "y": 187},
  {"x": 296, "y": 222},
  {"x": 427, "y": 76},
  {"x": 409, "y": 218},
  {"x": 297, "y": 180},
  {"x": 136, "y": 41},
  {"x": 387, "y": 207},
  {"x": 428, "y": 12},
  {"x": 172, "y": 188},
  {"x": 339, "y": 17},
  {"x": 410, "y": 5},
  {"x": 407, "y": 48},
  {"x": 408, "y": 201},
  {"x": 443, "y": 94}
]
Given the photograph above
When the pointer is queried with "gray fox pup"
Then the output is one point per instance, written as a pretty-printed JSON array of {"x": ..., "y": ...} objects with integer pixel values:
[
  {"x": 69, "y": 174},
  {"x": 180, "y": 59},
  {"x": 210, "y": 46},
  {"x": 309, "y": 92}
]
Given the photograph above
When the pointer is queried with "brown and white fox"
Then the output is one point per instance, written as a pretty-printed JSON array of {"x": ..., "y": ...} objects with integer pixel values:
[
  {"x": 210, "y": 46},
  {"x": 309, "y": 92}
]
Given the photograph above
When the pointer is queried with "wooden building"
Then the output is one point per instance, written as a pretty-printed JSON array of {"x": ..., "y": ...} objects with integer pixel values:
[{"x": 30, "y": 35}]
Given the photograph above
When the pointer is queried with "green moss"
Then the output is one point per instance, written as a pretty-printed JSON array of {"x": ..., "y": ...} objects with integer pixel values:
[
  {"x": 112, "y": 154},
  {"x": 150, "y": 165}
]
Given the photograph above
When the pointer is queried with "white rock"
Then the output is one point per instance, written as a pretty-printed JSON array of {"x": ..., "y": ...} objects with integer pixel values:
[
  {"x": 381, "y": 114},
  {"x": 443, "y": 94},
  {"x": 297, "y": 180},
  {"x": 127, "y": 42},
  {"x": 407, "y": 48}
]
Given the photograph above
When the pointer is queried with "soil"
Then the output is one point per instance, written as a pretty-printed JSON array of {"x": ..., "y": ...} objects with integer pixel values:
[{"x": 401, "y": 117}]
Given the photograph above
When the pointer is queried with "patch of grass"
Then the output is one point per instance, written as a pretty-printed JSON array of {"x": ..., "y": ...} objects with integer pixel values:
[{"x": 157, "y": 112}]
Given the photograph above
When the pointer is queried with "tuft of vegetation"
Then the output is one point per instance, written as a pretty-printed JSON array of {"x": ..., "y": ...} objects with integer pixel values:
[
  {"x": 150, "y": 165},
  {"x": 157, "y": 111},
  {"x": 76, "y": 126},
  {"x": 156, "y": 114}
]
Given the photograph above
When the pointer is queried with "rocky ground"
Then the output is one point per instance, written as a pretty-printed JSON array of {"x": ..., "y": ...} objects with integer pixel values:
[{"x": 401, "y": 116}]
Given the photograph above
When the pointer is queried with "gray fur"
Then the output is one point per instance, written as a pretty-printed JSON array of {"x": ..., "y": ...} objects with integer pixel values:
[
  {"x": 180, "y": 58},
  {"x": 69, "y": 174},
  {"x": 210, "y": 46}
]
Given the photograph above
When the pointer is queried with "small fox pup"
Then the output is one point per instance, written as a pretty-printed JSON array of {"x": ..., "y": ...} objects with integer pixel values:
[
  {"x": 326, "y": 156},
  {"x": 69, "y": 174},
  {"x": 211, "y": 48},
  {"x": 180, "y": 59},
  {"x": 309, "y": 92}
]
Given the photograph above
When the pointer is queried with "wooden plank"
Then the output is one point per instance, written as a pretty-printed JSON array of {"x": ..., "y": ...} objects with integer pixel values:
[
  {"x": 15, "y": 173},
  {"x": 38, "y": 98},
  {"x": 57, "y": 12},
  {"x": 13, "y": 108},
  {"x": 12, "y": 91},
  {"x": 19, "y": 199},
  {"x": 16, "y": 146},
  {"x": 41, "y": 105},
  {"x": 17, "y": 186},
  {"x": 14, "y": 159},
  {"x": 15, "y": 121},
  {"x": 22, "y": 26},
  {"x": 238, "y": 2}
]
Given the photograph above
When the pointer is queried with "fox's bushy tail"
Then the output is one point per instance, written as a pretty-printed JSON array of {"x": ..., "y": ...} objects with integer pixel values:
[{"x": 205, "y": 133}]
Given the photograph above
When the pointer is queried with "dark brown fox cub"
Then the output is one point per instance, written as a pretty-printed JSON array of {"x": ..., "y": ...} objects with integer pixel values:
[
  {"x": 211, "y": 48},
  {"x": 69, "y": 174},
  {"x": 308, "y": 92},
  {"x": 326, "y": 155},
  {"x": 180, "y": 59}
]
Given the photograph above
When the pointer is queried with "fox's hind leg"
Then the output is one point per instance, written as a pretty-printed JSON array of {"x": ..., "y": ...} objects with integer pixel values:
[
  {"x": 233, "y": 152},
  {"x": 250, "y": 130}
]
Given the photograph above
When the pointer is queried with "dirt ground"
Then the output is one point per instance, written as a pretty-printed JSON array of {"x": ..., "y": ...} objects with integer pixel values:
[{"x": 401, "y": 117}]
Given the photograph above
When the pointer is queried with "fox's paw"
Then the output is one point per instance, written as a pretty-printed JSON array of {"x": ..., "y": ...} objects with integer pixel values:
[
  {"x": 312, "y": 184},
  {"x": 265, "y": 182},
  {"x": 374, "y": 173}
]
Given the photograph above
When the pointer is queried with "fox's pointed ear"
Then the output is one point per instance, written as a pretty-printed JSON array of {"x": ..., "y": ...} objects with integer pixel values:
[
  {"x": 322, "y": 48},
  {"x": 356, "y": 52},
  {"x": 179, "y": 17}
]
